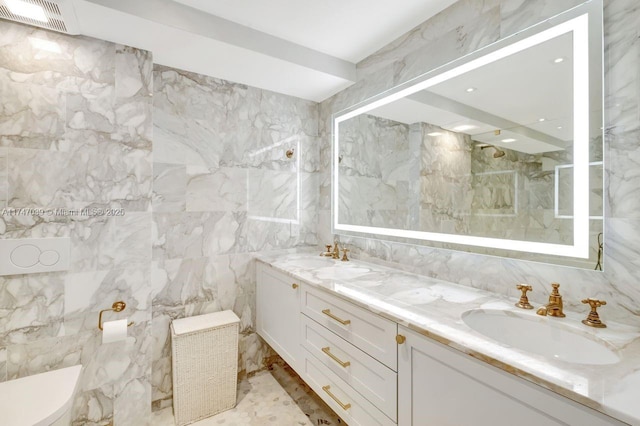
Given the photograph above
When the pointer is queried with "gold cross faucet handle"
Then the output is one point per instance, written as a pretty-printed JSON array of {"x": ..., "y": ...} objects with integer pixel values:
[
  {"x": 344, "y": 254},
  {"x": 593, "y": 319},
  {"x": 524, "y": 300}
]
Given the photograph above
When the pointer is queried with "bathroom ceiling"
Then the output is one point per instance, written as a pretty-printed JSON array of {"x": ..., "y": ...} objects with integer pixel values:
[
  {"x": 302, "y": 48},
  {"x": 349, "y": 30}
]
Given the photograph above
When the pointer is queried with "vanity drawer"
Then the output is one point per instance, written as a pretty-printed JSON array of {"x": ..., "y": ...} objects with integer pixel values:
[
  {"x": 373, "y": 380},
  {"x": 373, "y": 334},
  {"x": 352, "y": 407}
]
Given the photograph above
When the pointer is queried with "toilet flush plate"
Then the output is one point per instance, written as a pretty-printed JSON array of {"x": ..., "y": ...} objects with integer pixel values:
[{"x": 34, "y": 255}]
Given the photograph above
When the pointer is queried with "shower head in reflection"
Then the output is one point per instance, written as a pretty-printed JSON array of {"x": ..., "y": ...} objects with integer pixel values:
[{"x": 499, "y": 153}]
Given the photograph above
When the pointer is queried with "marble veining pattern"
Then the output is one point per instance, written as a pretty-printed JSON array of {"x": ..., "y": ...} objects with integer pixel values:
[
  {"x": 223, "y": 188},
  {"x": 76, "y": 133},
  {"x": 434, "y": 307},
  {"x": 87, "y": 114},
  {"x": 460, "y": 29}
]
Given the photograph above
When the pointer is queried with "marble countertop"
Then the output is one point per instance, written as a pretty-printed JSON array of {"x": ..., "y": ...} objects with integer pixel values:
[{"x": 434, "y": 308}]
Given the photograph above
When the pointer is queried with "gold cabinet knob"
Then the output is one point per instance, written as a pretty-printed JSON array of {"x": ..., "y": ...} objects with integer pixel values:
[
  {"x": 523, "y": 303},
  {"x": 294, "y": 286},
  {"x": 400, "y": 339},
  {"x": 593, "y": 319}
]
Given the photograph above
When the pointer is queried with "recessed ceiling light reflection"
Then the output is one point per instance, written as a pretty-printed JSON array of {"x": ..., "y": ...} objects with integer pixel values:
[
  {"x": 509, "y": 140},
  {"x": 559, "y": 127},
  {"x": 464, "y": 128},
  {"x": 541, "y": 119},
  {"x": 558, "y": 60},
  {"x": 435, "y": 134},
  {"x": 471, "y": 89},
  {"x": 28, "y": 10}
]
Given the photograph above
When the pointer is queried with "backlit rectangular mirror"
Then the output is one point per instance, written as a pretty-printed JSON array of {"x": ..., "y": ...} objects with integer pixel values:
[{"x": 499, "y": 152}]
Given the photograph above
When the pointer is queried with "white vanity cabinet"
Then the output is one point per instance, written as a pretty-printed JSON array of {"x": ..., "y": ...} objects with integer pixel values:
[
  {"x": 345, "y": 353},
  {"x": 438, "y": 385},
  {"x": 350, "y": 357},
  {"x": 278, "y": 313}
]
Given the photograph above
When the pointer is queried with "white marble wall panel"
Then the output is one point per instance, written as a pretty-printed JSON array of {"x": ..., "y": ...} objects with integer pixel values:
[
  {"x": 365, "y": 193},
  {"x": 482, "y": 30},
  {"x": 76, "y": 130},
  {"x": 169, "y": 187},
  {"x": 87, "y": 293},
  {"x": 460, "y": 29},
  {"x": 3, "y": 364},
  {"x": 76, "y": 133},
  {"x": 456, "y": 18},
  {"x": 103, "y": 175},
  {"x": 518, "y": 14},
  {"x": 3, "y": 177},
  {"x": 197, "y": 234},
  {"x": 273, "y": 194},
  {"x": 31, "y": 307},
  {"x": 33, "y": 113},
  {"x": 92, "y": 408},
  {"x": 223, "y": 188},
  {"x": 133, "y": 404}
]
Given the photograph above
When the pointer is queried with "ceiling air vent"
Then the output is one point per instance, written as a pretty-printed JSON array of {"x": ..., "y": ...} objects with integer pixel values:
[{"x": 56, "y": 15}]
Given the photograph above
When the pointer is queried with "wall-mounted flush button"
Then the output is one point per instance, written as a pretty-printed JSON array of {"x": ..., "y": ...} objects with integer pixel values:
[
  {"x": 32, "y": 255},
  {"x": 25, "y": 256},
  {"x": 49, "y": 257}
]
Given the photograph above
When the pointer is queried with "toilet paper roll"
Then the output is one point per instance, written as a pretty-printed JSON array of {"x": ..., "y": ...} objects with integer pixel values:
[{"x": 114, "y": 331}]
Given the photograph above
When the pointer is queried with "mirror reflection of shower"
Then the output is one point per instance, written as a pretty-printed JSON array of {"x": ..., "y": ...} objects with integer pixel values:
[{"x": 499, "y": 153}]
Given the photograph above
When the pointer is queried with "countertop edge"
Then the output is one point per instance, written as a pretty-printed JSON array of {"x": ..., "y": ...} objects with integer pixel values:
[{"x": 515, "y": 371}]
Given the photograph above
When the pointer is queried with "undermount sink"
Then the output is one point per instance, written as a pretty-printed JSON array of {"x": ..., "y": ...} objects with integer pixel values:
[
  {"x": 540, "y": 336},
  {"x": 341, "y": 272},
  {"x": 319, "y": 262}
]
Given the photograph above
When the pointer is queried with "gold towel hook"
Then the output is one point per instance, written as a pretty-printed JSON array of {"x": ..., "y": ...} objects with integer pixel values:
[{"x": 116, "y": 307}]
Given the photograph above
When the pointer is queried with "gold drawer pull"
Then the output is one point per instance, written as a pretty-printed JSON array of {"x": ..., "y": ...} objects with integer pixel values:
[
  {"x": 328, "y": 313},
  {"x": 344, "y": 364},
  {"x": 294, "y": 286},
  {"x": 344, "y": 406}
]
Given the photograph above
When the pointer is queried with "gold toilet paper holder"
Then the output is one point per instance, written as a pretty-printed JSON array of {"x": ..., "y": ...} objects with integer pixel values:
[{"x": 116, "y": 307}]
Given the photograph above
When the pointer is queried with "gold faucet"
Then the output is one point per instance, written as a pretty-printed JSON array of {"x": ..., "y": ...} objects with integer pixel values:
[
  {"x": 554, "y": 307},
  {"x": 328, "y": 252},
  {"x": 593, "y": 319},
  {"x": 344, "y": 254},
  {"x": 524, "y": 300},
  {"x": 336, "y": 251}
]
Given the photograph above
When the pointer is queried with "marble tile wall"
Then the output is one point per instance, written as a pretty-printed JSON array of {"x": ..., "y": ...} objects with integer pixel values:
[
  {"x": 376, "y": 185},
  {"x": 76, "y": 126},
  {"x": 224, "y": 188},
  {"x": 196, "y": 167},
  {"x": 461, "y": 29}
]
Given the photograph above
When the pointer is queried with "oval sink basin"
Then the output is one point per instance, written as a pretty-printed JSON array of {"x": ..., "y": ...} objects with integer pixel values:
[
  {"x": 312, "y": 263},
  {"x": 539, "y": 336},
  {"x": 341, "y": 272}
]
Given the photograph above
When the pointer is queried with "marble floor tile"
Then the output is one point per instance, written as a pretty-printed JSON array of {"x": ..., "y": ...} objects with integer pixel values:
[
  {"x": 276, "y": 397},
  {"x": 311, "y": 405}
]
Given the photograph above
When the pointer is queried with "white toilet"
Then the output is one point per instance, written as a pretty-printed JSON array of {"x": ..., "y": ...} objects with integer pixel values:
[{"x": 40, "y": 400}]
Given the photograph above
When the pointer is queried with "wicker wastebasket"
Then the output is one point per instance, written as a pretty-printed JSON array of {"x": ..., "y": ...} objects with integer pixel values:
[{"x": 204, "y": 353}]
